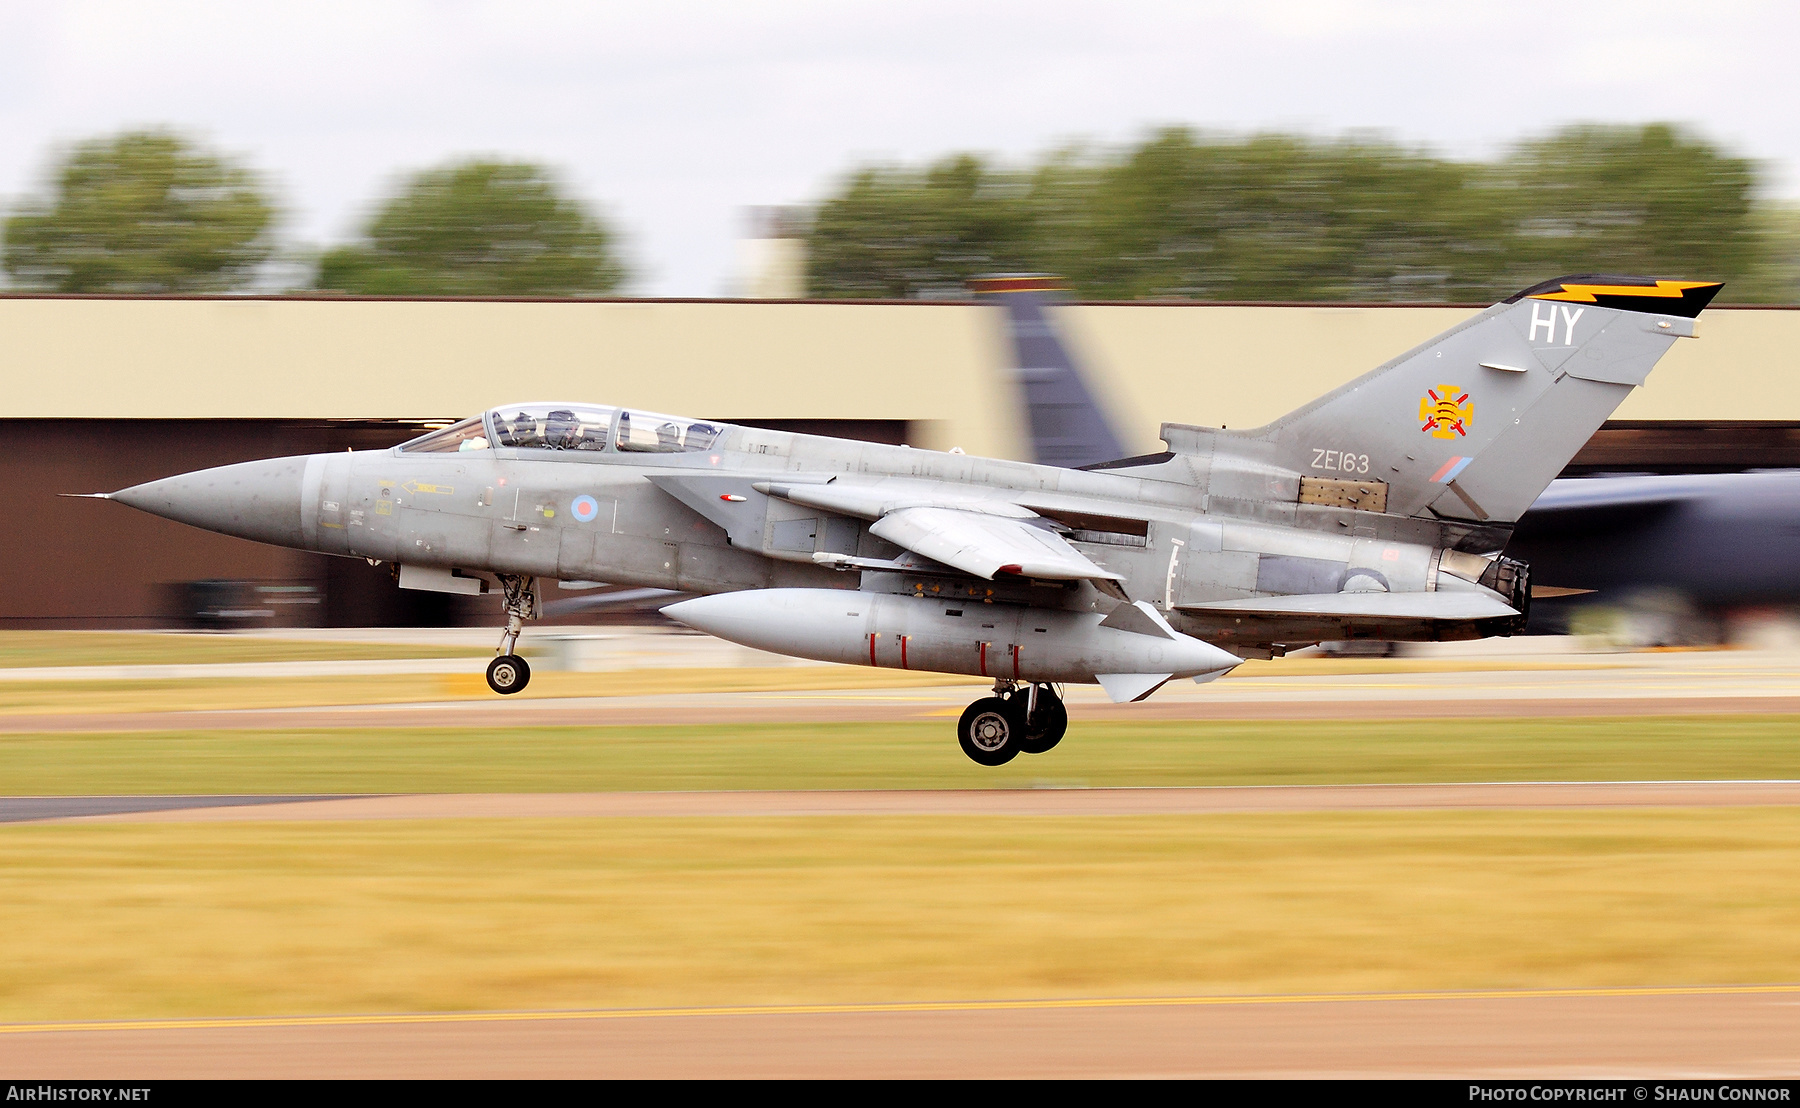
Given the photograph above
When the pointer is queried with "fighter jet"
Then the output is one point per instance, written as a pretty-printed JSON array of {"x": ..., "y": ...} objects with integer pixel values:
[{"x": 1377, "y": 511}]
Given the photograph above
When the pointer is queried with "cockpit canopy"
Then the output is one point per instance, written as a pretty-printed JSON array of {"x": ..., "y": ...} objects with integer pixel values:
[{"x": 570, "y": 427}]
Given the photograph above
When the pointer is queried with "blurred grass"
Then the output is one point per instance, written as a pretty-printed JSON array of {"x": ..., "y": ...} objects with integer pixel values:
[
  {"x": 29, "y": 697},
  {"x": 174, "y": 920},
  {"x": 894, "y": 755},
  {"x": 20, "y": 649},
  {"x": 30, "y": 649},
  {"x": 227, "y": 693}
]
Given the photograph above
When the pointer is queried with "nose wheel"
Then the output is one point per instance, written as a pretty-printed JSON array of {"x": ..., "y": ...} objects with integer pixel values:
[
  {"x": 996, "y": 729},
  {"x": 508, "y": 673}
]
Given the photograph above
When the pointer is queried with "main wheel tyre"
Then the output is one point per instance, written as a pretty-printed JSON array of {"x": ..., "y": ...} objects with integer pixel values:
[
  {"x": 1047, "y": 725},
  {"x": 507, "y": 674},
  {"x": 990, "y": 731}
]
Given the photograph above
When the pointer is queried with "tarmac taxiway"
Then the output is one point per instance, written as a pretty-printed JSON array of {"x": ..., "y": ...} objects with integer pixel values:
[{"x": 1635, "y": 1034}]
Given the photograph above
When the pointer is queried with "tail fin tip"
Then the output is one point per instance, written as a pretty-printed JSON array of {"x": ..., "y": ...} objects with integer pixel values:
[{"x": 1658, "y": 296}]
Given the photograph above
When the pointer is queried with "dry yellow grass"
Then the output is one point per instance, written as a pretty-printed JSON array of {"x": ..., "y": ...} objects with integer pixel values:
[{"x": 222, "y": 919}]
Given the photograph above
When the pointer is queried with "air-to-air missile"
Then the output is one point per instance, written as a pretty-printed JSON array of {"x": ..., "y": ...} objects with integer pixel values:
[{"x": 1377, "y": 511}]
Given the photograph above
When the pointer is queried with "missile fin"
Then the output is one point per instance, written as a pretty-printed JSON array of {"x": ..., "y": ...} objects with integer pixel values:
[
  {"x": 1139, "y": 618},
  {"x": 1123, "y": 687}
]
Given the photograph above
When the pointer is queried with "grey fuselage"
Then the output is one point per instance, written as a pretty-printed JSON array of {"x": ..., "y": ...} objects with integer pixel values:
[
  {"x": 1376, "y": 511},
  {"x": 514, "y": 511}
]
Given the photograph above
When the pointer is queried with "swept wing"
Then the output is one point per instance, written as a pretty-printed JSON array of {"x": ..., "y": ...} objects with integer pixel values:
[{"x": 987, "y": 545}]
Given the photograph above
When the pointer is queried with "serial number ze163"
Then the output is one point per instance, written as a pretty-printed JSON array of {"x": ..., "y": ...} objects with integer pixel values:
[{"x": 1340, "y": 460}]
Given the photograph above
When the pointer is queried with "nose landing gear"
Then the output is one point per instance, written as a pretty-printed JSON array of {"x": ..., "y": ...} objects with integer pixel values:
[
  {"x": 508, "y": 673},
  {"x": 995, "y": 729}
]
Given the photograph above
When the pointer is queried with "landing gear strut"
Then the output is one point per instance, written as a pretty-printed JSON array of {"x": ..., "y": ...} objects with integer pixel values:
[
  {"x": 995, "y": 729},
  {"x": 508, "y": 673},
  {"x": 1046, "y": 720}
]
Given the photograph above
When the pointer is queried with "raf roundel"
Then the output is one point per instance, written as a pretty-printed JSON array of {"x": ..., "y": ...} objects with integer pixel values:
[{"x": 584, "y": 508}]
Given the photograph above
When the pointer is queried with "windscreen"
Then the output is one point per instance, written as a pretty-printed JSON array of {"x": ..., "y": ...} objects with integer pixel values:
[{"x": 470, "y": 434}]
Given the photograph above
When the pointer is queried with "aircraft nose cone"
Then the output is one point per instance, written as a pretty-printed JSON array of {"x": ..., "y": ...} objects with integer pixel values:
[{"x": 252, "y": 500}]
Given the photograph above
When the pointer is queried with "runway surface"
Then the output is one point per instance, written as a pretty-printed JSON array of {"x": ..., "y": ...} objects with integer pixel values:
[
  {"x": 1743, "y": 1032},
  {"x": 847, "y": 802},
  {"x": 27, "y": 809}
]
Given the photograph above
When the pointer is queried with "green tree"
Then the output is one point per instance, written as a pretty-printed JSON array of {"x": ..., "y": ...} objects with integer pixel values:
[
  {"x": 1286, "y": 218},
  {"x": 478, "y": 228},
  {"x": 1271, "y": 217},
  {"x": 142, "y": 212},
  {"x": 899, "y": 233},
  {"x": 1650, "y": 200},
  {"x": 1777, "y": 280}
]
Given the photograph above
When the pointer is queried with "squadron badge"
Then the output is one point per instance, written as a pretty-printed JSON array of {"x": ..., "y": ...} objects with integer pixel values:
[{"x": 1447, "y": 412}]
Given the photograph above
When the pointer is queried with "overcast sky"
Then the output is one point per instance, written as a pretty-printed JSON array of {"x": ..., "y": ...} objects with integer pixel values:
[{"x": 675, "y": 115}]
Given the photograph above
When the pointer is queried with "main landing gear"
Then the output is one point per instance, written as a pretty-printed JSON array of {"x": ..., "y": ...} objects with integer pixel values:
[
  {"x": 508, "y": 673},
  {"x": 1029, "y": 718}
]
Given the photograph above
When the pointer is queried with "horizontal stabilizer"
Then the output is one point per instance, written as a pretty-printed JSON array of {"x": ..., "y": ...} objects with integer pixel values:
[
  {"x": 1123, "y": 688},
  {"x": 1456, "y": 606},
  {"x": 1581, "y": 494}
]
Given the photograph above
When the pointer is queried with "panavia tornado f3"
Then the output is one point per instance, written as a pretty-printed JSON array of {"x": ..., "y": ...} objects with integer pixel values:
[{"x": 1375, "y": 512}]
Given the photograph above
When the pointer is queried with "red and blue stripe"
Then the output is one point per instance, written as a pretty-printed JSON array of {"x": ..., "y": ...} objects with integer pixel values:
[{"x": 1450, "y": 469}]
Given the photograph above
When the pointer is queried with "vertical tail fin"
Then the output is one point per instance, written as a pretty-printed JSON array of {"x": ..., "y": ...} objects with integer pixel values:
[
  {"x": 1474, "y": 424},
  {"x": 1067, "y": 426}
]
